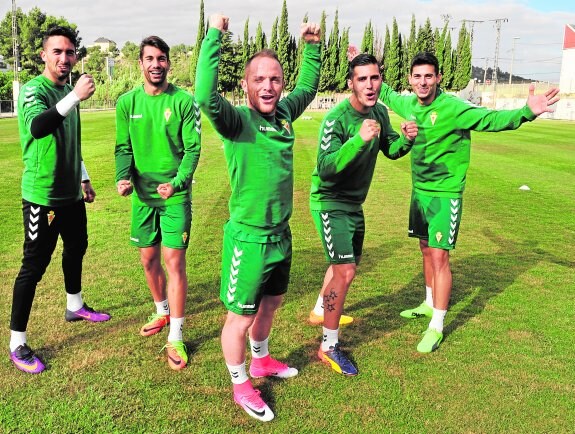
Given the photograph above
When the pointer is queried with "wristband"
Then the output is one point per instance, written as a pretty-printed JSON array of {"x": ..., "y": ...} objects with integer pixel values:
[
  {"x": 67, "y": 104},
  {"x": 85, "y": 176}
]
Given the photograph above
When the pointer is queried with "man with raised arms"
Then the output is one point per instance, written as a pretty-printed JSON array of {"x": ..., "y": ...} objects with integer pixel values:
[{"x": 258, "y": 144}]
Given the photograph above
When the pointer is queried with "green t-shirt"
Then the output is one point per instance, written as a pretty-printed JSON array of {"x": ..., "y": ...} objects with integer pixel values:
[
  {"x": 440, "y": 154},
  {"x": 157, "y": 141},
  {"x": 345, "y": 163},
  {"x": 258, "y": 149},
  {"x": 52, "y": 174}
]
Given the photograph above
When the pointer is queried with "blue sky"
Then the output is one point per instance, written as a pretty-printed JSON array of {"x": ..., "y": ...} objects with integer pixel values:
[{"x": 538, "y": 24}]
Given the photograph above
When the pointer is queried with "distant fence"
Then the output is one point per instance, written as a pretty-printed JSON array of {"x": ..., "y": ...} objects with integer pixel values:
[
  {"x": 506, "y": 97},
  {"x": 7, "y": 106}
]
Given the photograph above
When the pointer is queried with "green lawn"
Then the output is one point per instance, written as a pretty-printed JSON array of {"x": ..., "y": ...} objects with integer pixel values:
[{"x": 506, "y": 364}]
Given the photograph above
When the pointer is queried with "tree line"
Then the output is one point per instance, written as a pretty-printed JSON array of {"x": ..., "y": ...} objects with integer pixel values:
[{"x": 395, "y": 51}]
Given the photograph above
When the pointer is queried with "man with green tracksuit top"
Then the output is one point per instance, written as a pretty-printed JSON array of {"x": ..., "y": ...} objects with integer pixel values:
[
  {"x": 55, "y": 187},
  {"x": 351, "y": 137},
  {"x": 439, "y": 163},
  {"x": 258, "y": 145},
  {"x": 158, "y": 134}
]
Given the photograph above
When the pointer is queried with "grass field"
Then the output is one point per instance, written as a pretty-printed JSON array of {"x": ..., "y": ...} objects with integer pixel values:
[{"x": 506, "y": 364}]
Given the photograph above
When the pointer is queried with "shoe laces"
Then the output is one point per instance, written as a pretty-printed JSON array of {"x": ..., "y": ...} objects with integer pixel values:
[
  {"x": 87, "y": 308},
  {"x": 276, "y": 365},
  {"x": 155, "y": 317},
  {"x": 253, "y": 399},
  {"x": 25, "y": 353},
  {"x": 178, "y": 346},
  {"x": 338, "y": 355}
]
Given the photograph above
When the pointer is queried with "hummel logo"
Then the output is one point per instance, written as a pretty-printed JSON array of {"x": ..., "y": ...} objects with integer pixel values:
[{"x": 256, "y": 349}]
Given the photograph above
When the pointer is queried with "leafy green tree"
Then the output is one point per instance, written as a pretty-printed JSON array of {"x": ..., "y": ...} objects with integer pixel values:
[
  {"x": 425, "y": 40},
  {"x": 410, "y": 50},
  {"x": 447, "y": 71},
  {"x": 230, "y": 65},
  {"x": 284, "y": 44},
  {"x": 440, "y": 45},
  {"x": 130, "y": 51},
  {"x": 343, "y": 62},
  {"x": 462, "y": 73},
  {"x": 299, "y": 54},
  {"x": 330, "y": 61},
  {"x": 95, "y": 64},
  {"x": 246, "y": 49},
  {"x": 31, "y": 28},
  {"x": 260, "y": 42},
  {"x": 393, "y": 59},
  {"x": 367, "y": 40},
  {"x": 274, "y": 37},
  {"x": 196, "y": 52},
  {"x": 386, "y": 45}
]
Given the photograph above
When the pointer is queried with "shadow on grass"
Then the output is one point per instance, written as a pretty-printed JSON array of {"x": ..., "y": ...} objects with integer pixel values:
[{"x": 476, "y": 280}]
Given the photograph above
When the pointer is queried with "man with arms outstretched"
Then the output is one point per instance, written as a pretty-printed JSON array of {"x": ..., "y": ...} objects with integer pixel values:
[{"x": 439, "y": 163}]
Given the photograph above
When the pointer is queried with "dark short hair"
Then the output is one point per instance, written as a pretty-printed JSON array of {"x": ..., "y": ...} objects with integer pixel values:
[
  {"x": 361, "y": 60},
  {"x": 425, "y": 58},
  {"x": 154, "y": 41},
  {"x": 266, "y": 52},
  {"x": 60, "y": 31}
]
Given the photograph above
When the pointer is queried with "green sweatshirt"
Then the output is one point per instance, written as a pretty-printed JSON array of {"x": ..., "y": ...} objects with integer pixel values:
[
  {"x": 52, "y": 174},
  {"x": 440, "y": 154},
  {"x": 157, "y": 141},
  {"x": 345, "y": 163},
  {"x": 258, "y": 149}
]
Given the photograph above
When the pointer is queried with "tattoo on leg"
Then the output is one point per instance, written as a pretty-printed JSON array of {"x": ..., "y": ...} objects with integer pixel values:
[
  {"x": 329, "y": 297},
  {"x": 331, "y": 307}
]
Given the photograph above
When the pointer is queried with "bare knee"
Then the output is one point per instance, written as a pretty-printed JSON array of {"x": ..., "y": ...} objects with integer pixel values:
[{"x": 345, "y": 272}]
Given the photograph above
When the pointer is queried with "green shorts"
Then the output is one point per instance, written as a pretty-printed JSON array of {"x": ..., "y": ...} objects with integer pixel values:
[
  {"x": 435, "y": 219},
  {"x": 341, "y": 234},
  {"x": 169, "y": 224},
  {"x": 251, "y": 270}
]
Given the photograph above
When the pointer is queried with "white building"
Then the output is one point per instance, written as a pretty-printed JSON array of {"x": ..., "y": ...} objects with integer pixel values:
[{"x": 567, "y": 77}]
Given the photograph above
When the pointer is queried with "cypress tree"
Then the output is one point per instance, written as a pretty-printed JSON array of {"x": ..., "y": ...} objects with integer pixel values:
[
  {"x": 196, "y": 50},
  {"x": 274, "y": 37},
  {"x": 260, "y": 42},
  {"x": 447, "y": 80},
  {"x": 343, "y": 63},
  {"x": 425, "y": 40},
  {"x": 329, "y": 64},
  {"x": 393, "y": 66},
  {"x": 285, "y": 55}
]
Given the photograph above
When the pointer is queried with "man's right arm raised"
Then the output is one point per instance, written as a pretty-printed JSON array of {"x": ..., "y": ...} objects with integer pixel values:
[{"x": 223, "y": 116}]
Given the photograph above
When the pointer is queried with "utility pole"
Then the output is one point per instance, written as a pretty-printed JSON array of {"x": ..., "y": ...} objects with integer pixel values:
[
  {"x": 472, "y": 23},
  {"x": 16, "y": 51},
  {"x": 498, "y": 22},
  {"x": 515, "y": 38},
  {"x": 15, "y": 45}
]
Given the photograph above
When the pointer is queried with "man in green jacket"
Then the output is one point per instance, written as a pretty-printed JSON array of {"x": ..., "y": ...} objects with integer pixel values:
[
  {"x": 158, "y": 134},
  {"x": 258, "y": 145},
  {"x": 351, "y": 136},
  {"x": 439, "y": 163},
  {"x": 55, "y": 187}
]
